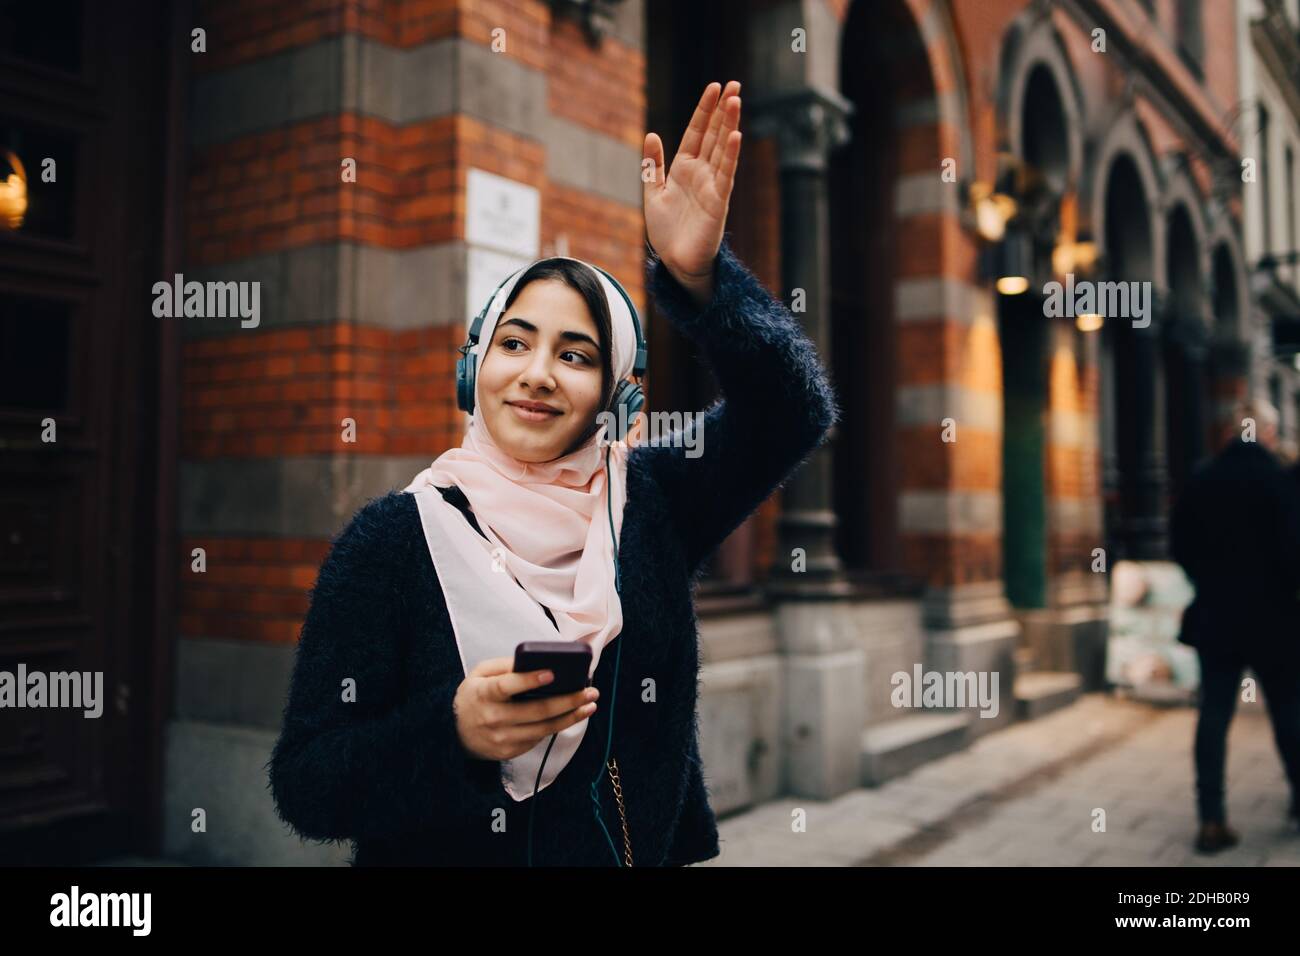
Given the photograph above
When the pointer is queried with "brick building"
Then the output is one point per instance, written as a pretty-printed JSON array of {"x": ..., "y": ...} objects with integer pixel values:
[{"x": 988, "y": 450}]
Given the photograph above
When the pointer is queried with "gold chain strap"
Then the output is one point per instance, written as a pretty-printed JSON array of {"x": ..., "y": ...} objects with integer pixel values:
[{"x": 612, "y": 766}]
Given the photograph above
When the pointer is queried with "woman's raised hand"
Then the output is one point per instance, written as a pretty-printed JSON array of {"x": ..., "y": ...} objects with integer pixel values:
[
  {"x": 686, "y": 208},
  {"x": 493, "y": 727}
]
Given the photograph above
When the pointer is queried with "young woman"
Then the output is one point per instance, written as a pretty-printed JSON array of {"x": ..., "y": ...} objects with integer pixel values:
[{"x": 400, "y": 732}]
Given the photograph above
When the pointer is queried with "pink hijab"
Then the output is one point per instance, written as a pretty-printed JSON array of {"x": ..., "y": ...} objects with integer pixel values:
[{"x": 548, "y": 542}]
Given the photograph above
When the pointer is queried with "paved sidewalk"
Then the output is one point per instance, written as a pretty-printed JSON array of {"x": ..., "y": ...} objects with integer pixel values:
[{"x": 1026, "y": 796}]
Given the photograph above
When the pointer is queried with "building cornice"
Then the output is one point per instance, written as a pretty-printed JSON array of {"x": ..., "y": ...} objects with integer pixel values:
[{"x": 1161, "y": 73}]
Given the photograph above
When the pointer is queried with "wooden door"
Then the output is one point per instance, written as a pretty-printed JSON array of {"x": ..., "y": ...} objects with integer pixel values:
[{"x": 83, "y": 94}]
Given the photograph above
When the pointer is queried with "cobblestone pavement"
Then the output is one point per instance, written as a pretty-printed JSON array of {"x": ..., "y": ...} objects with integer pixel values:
[{"x": 1026, "y": 796}]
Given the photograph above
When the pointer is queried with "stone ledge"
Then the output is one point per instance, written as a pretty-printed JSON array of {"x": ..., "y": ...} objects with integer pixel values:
[{"x": 895, "y": 747}]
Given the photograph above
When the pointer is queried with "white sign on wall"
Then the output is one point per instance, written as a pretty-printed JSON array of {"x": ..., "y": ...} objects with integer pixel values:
[{"x": 502, "y": 214}]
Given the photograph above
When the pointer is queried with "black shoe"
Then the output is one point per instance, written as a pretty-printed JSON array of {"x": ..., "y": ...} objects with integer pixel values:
[{"x": 1215, "y": 837}]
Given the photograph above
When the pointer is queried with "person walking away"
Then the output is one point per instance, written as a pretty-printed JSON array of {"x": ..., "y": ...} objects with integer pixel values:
[{"x": 1234, "y": 531}]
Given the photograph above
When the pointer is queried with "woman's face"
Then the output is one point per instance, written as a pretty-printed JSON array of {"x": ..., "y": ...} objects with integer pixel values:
[{"x": 546, "y": 350}]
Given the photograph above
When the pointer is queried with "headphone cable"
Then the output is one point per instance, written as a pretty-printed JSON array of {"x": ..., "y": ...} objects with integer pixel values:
[
  {"x": 609, "y": 740},
  {"x": 532, "y": 812}
]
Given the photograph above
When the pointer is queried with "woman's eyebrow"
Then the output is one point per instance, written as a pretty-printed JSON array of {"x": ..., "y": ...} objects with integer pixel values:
[{"x": 567, "y": 336}]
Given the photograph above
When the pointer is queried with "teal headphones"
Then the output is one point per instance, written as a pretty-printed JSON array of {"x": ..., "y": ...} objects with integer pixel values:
[{"x": 627, "y": 395}]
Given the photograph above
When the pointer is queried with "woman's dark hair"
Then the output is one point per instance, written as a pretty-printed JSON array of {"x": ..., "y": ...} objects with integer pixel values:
[{"x": 586, "y": 285}]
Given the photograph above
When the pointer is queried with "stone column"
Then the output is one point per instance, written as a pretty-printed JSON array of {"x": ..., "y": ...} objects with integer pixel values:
[
  {"x": 808, "y": 123},
  {"x": 819, "y": 640}
]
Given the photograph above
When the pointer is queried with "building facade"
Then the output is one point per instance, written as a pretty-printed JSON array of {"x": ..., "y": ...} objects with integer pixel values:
[
  {"x": 376, "y": 167},
  {"x": 1270, "y": 123}
]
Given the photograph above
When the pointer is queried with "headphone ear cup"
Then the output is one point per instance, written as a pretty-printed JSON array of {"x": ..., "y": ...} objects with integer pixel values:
[
  {"x": 465, "y": 373},
  {"x": 627, "y": 404},
  {"x": 635, "y": 400}
]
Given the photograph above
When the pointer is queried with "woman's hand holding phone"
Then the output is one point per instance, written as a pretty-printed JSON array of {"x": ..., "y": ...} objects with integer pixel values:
[{"x": 491, "y": 726}]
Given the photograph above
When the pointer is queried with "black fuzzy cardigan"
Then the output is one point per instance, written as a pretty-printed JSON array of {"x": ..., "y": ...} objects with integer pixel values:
[{"x": 388, "y": 772}]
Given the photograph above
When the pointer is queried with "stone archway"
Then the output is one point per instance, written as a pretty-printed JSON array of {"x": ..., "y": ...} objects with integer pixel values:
[
  {"x": 1121, "y": 203},
  {"x": 1034, "y": 67},
  {"x": 899, "y": 67}
]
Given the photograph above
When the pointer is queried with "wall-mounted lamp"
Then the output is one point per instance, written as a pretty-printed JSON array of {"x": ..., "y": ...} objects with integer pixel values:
[
  {"x": 13, "y": 194},
  {"x": 595, "y": 16},
  {"x": 1076, "y": 257},
  {"x": 992, "y": 209},
  {"x": 1011, "y": 263},
  {"x": 1007, "y": 214},
  {"x": 1073, "y": 253}
]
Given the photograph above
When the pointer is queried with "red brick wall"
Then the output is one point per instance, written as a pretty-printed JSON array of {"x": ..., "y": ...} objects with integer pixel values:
[
  {"x": 286, "y": 392},
  {"x": 283, "y": 189},
  {"x": 252, "y": 589}
]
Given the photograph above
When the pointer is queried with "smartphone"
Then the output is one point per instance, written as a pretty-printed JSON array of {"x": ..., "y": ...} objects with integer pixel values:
[{"x": 570, "y": 661}]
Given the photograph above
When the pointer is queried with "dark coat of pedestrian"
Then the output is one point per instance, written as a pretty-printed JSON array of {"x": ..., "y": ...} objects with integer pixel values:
[{"x": 1236, "y": 532}]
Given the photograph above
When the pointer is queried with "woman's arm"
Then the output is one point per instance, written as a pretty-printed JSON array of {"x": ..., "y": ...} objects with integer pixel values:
[
  {"x": 391, "y": 761},
  {"x": 777, "y": 403}
]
